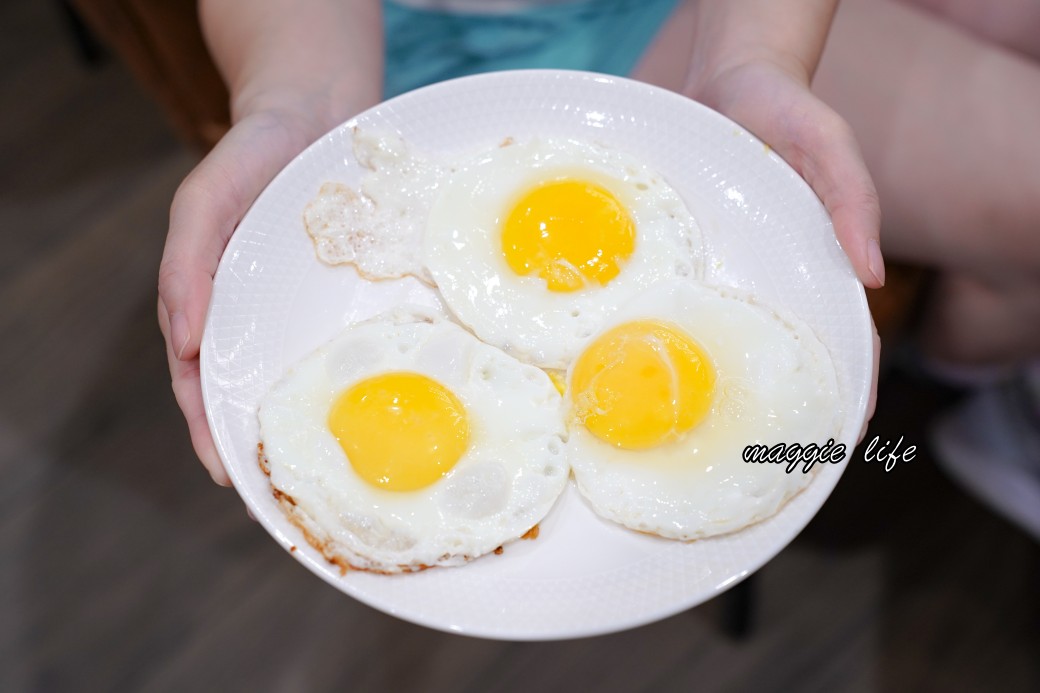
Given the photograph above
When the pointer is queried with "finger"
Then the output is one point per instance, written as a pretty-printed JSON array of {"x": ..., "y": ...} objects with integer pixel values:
[
  {"x": 187, "y": 389},
  {"x": 200, "y": 226},
  {"x": 831, "y": 162},
  {"x": 205, "y": 210}
]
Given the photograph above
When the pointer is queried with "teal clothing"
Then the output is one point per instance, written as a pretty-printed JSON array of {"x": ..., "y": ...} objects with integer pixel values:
[{"x": 426, "y": 46}]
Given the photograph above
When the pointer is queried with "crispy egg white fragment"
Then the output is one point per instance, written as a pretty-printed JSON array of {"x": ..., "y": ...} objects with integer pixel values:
[
  {"x": 377, "y": 227},
  {"x": 506, "y": 243},
  {"x": 664, "y": 400},
  {"x": 513, "y": 462}
]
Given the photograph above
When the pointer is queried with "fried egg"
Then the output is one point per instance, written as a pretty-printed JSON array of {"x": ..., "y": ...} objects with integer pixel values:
[
  {"x": 378, "y": 226},
  {"x": 406, "y": 443},
  {"x": 534, "y": 244},
  {"x": 665, "y": 398}
]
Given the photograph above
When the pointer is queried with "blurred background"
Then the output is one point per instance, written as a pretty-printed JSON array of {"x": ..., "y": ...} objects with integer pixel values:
[{"x": 123, "y": 568}]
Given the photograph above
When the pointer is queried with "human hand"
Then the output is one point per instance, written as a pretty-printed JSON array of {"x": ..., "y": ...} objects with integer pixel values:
[
  {"x": 205, "y": 210},
  {"x": 774, "y": 102}
]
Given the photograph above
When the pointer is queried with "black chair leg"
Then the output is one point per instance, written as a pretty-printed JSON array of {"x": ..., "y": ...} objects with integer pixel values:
[
  {"x": 739, "y": 609},
  {"x": 87, "y": 45}
]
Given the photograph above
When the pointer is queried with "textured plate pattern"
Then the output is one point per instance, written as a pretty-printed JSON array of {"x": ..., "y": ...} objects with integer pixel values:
[{"x": 273, "y": 302}]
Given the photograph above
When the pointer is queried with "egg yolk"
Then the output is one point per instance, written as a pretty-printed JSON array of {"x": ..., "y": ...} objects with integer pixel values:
[
  {"x": 642, "y": 384},
  {"x": 400, "y": 431},
  {"x": 568, "y": 232}
]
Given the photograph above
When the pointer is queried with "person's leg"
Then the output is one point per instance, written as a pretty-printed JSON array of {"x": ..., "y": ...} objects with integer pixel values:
[{"x": 1011, "y": 23}]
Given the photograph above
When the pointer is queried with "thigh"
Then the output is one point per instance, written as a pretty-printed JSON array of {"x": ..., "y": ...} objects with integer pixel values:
[
  {"x": 948, "y": 126},
  {"x": 1011, "y": 23}
]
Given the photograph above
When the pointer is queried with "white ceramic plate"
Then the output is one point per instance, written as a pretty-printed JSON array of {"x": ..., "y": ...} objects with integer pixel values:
[{"x": 273, "y": 302}]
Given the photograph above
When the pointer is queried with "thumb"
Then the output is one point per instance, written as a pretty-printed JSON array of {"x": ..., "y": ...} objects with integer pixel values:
[
  {"x": 205, "y": 210},
  {"x": 829, "y": 159}
]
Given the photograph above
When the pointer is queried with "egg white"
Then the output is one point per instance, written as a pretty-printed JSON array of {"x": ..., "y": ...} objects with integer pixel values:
[
  {"x": 377, "y": 226},
  {"x": 504, "y": 484},
  {"x": 775, "y": 383},
  {"x": 463, "y": 247}
]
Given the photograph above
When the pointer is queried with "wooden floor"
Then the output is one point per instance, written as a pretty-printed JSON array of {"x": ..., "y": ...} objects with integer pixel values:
[{"x": 123, "y": 568}]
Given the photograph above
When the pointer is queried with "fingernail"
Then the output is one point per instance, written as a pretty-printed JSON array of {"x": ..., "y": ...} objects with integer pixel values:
[
  {"x": 179, "y": 333},
  {"x": 875, "y": 262}
]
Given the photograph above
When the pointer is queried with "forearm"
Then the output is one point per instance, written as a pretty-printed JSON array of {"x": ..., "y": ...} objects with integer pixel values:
[
  {"x": 789, "y": 33},
  {"x": 321, "y": 59}
]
